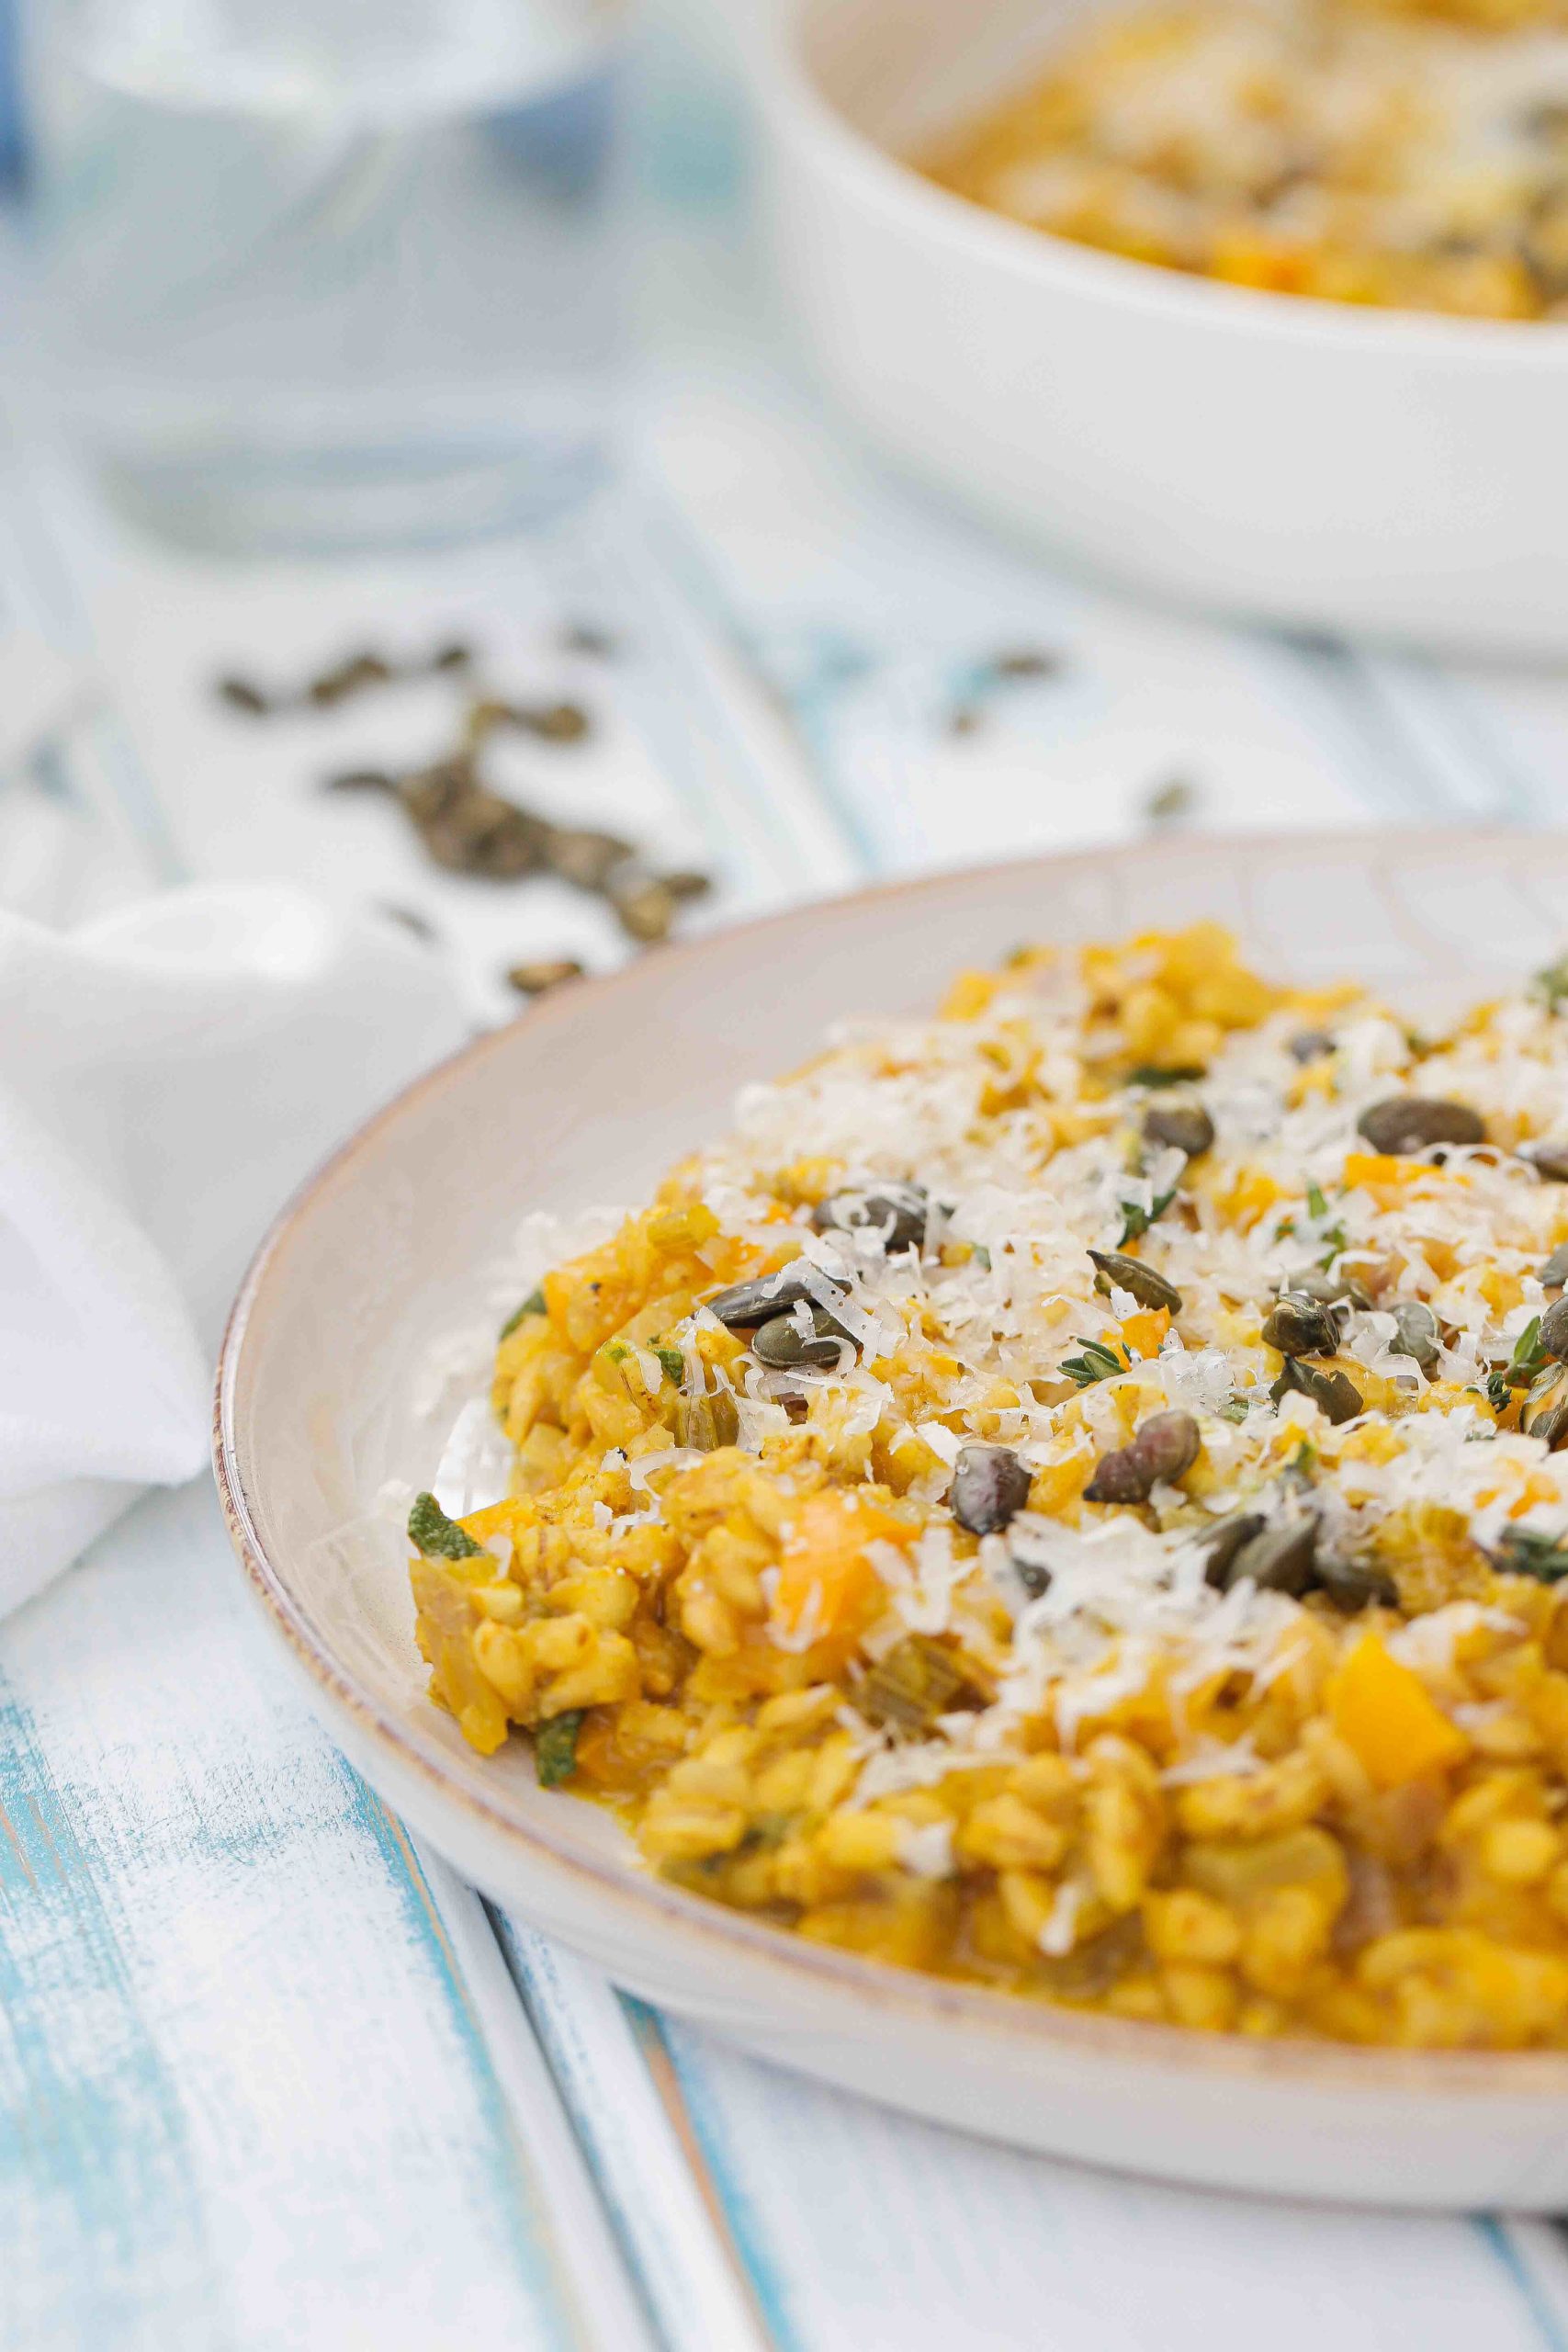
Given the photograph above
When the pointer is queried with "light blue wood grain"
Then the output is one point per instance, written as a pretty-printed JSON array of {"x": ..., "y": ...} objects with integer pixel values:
[{"x": 245, "y": 2098}]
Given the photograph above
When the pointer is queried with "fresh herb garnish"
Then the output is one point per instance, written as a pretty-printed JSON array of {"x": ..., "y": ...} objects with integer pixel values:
[
  {"x": 533, "y": 1305},
  {"x": 980, "y": 1256},
  {"x": 1136, "y": 1220},
  {"x": 436, "y": 1536},
  {"x": 1526, "y": 1364},
  {"x": 1334, "y": 1237},
  {"x": 1178, "y": 1074},
  {"x": 1096, "y": 1362},
  {"x": 1552, "y": 984},
  {"x": 1521, "y": 1553},
  {"x": 1235, "y": 1408},
  {"x": 554, "y": 1749},
  {"x": 674, "y": 1363}
]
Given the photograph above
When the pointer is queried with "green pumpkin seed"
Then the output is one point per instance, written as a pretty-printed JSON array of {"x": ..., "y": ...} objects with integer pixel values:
[
  {"x": 1554, "y": 1275},
  {"x": 1299, "y": 1327},
  {"x": 1550, "y": 1160},
  {"x": 1115, "y": 1272},
  {"x": 1553, "y": 1336},
  {"x": 1416, "y": 1333},
  {"x": 1281, "y": 1559},
  {"x": 1164, "y": 1448},
  {"x": 707, "y": 1422},
  {"x": 1405, "y": 1124},
  {"x": 990, "y": 1486},
  {"x": 1335, "y": 1394},
  {"x": 1221, "y": 1544},
  {"x": 1180, "y": 1127},
  {"x": 1330, "y": 1290},
  {"x": 759, "y": 1300},
  {"x": 916, "y": 1682},
  {"x": 1354, "y": 1584},
  {"x": 784, "y": 1347},
  {"x": 899, "y": 1211}
]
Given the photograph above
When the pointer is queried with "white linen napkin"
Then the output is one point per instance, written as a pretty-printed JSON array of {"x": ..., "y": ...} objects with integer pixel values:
[{"x": 167, "y": 1075}]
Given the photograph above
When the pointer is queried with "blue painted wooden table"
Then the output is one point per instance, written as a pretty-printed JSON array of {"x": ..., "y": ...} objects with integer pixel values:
[{"x": 268, "y": 2075}]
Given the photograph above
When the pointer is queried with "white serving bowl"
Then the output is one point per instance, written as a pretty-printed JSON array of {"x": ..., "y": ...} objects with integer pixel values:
[
  {"x": 326, "y": 1393},
  {"x": 1292, "y": 460}
]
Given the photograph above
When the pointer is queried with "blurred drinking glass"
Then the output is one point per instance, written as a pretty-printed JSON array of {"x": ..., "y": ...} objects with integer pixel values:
[{"x": 328, "y": 273}]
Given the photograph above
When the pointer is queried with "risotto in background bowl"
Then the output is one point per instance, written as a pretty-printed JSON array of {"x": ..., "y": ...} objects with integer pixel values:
[
  {"x": 357, "y": 1374},
  {"x": 1340, "y": 463}
]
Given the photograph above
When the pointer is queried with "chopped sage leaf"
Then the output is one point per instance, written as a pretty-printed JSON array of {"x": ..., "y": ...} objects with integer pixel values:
[
  {"x": 1178, "y": 1074},
  {"x": 1136, "y": 1219},
  {"x": 1522, "y": 1552},
  {"x": 674, "y": 1363},
  {"x": 436, "y": 1536},
  {"x": 1550, "y": 985},
  {"x": 1096, "y": 1362},
  {"x": 1526, "y": 1364},
  {"x": 533, "y": 1305},
  {"x": 554, "y": 1749}
]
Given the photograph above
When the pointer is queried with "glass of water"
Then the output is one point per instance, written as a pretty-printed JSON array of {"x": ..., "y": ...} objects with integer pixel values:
[{"x": 328, "y": 273}]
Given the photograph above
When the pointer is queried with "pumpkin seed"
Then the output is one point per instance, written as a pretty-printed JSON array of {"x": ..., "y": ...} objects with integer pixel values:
[
  {"x": 1310, "y": 1045},
  {"x": 1160, "y": 1074},
  {"x": 1034, "y": 1575},
  {"x": 1335, "y": 1394},
  {"x": 707, "y": 1422},
  {"x": 1354, "y": 1584},
  {"x": 686, "y": 882},
  {"x": 409, "y": 918},
  {"x": 1553, "y": 1275},
  {"x": 757, "y": 1301},
  {"x": 1278, "y": 1559},
  {"x": 454, "y": 655},
  {"x": 548, "y": 972},
  {"x": 1169, "y": 803},
  {"x": 899, "y": 1210},
  {"x": 1550, "y": 1160},
  {"x": 916, "y": 1682},
  {"x": 1300, "y": 1327},
  {"x": 555, "y": 722},
  {"x": 1181, "y": 1127},
  {"x": 360, "y": 780},
  {"x": 644, "y": 908},
  {"x": 990, "y": 1486},
  {"x": 1554, "y": 1334},
  {"x": 784, "y": 1346},
  {"x": 1020, "y": 661},
  {"x": 1405, "y": 1124},
  {"x": 1115, "y": 1272},
  {"x": 584, "y": 858},
  {"x": 1163, "y": 1451},
  {"x": 1416, "y": 1333},
  {"x": 348, "y": 677},
  {"x": 1329, "y": 1289},
  {"x": 587, "y": 637},
  {"x": 1221, "y": 1544}
]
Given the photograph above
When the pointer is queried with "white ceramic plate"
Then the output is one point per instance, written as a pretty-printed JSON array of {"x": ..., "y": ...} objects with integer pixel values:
[
  {"x": 326, "y": 1391},
  {"x": 1309, "y": 462}
]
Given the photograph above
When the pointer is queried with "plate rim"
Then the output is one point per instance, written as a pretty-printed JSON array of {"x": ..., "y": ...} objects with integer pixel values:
[{"x": 919, "y": 1999}]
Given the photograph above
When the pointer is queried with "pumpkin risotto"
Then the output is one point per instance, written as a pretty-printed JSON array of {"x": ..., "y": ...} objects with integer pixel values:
[
  {"x": 1068, "y": 1495},
  {"x": 1412, "y": 153}
]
